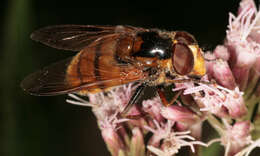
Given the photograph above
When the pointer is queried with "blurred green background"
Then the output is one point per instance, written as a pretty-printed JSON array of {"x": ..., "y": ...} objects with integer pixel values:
[{"x": 41, "y": 126}]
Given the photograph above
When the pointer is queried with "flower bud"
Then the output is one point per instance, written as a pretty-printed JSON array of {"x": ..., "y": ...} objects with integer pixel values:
[
  {"x": 235, "y": 104},
  {"x": 245, "y": 60},
  {"x": 223, "y": 75},
  {"x": 237, "y": 136},
  {"x": 232, "y": 53},
  {"x": 210, "y": 57},
  {"x": 112, "y": 140},
  {"x": 137, "y": 147},
  {"x": 180, "y": 114},
  {"x": 221, "y": 52},
  {"x": 209, "y": 68}
]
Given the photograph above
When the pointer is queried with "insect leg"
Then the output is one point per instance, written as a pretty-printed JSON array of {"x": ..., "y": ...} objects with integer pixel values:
[
  {"x": 135, "y": 97},
  {"x": 175, "y": 97},
  {"x": 163, "y": 97}
]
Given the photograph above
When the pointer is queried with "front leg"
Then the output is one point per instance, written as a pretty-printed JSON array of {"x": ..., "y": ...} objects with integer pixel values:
[
  {"x": 135, "y": 97},
  {"x": 162, "y": 96}
]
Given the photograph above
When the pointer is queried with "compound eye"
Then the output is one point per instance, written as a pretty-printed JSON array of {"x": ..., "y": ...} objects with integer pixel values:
[
  {"x": 185, "y": 38},
  {"x": 182, "y": 59}
]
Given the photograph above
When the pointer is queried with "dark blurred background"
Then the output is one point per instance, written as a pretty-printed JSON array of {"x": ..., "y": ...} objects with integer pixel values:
[{"x": 48, "y": 126}]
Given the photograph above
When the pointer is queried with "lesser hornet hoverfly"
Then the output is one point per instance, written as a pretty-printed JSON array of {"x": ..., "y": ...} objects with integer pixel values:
[{"x": 115, "y": 55}]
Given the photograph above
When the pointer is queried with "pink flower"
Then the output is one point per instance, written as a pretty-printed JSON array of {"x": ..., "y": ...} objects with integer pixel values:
[
  {"x": 235, "y": 104},
  {"x": 246, "y": 151},
  {"x": 241, "y": 42},
  {"x": 219, "y": 100},
  {"x": 221, "y": 52},
  {"x": 113, "y": 141},
  {"x": 137, "y": 147},
  {"x": 153, "y": 108},
  {"x": 172, "y": 141},
  {"x": 222, "y": 74},
  {"x": 236, "y": 137},
  {"x": 226, "y": 97},
  {"x": 179, "y": 114},
  {"x": 106, "y": 108}
]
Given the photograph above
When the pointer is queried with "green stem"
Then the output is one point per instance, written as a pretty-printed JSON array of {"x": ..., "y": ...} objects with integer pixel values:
[
  {"x": 251, "y": 103},
  {"x": 218, "y": 126},
  {"x": 251, "y": 85}
]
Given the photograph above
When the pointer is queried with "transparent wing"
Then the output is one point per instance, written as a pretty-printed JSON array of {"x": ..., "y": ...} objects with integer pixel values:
[{"x": 76, "y": 37}]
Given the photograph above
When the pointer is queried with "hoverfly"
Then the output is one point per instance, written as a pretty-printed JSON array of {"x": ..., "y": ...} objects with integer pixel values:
[{"x": 110, "y": 56}]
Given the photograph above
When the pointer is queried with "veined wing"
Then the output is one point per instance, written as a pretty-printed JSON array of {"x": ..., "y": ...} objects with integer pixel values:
[
  {"x": 77, "y": 37},
  {"x": 92, "y": 70}
]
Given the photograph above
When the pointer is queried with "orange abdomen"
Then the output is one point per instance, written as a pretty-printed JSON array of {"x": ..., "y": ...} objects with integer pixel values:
[{"x": 101, "y": 66}]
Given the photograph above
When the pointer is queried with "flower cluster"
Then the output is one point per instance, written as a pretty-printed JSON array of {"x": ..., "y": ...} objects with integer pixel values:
[{"x": 226, "y": 97}]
